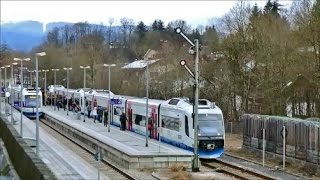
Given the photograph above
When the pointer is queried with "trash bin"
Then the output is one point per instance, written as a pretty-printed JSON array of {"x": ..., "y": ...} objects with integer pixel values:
[{"x": 79, "y": 116}]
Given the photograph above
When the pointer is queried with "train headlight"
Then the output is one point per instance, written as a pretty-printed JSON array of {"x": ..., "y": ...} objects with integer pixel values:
[
  {"x": 210, "y": 146},
  {"x": 199, "y": 134}
]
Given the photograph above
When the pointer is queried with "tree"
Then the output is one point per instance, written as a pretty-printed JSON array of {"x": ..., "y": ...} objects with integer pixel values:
[
  {"x": 158, "y": 25},
  {"x": 53, "y": 37},
  {"x": 124, "y": 28},
  {"x": 141, "y": 30},
  {"x": 211, "y": 38}
]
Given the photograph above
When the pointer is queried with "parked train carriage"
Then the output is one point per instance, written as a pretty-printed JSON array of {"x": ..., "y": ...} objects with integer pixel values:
[
  {"x": 29, "y": 100},
  {"x": 211, "y": 132},
  {"x": 175, "y": 127},
  {"x": 118, "y": 109},
  {"x": 137, "y": 116},
  {"x": 15, "y": 92}
]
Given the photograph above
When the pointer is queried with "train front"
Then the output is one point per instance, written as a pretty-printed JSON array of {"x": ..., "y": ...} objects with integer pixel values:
[
  {"x": 211, "y": 133},
  {"x": 30, "y": 101}
]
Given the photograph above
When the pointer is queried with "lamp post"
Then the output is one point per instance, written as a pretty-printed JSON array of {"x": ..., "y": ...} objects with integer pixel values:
[
  {"x": 109, "y": 108},
  {"x": 54, "y": 88},
  {"x": 37, "y": 104},
  {"x": 67, "y": 69},
  {"x": 21, "y": 89},
  {"x": 11, "y": 92},
  {"x": 147, "y": 99},
  {"x": 45, "y": 85},
  {"x": 84, "y": 86},
  {"x": 5, "y": 88}
]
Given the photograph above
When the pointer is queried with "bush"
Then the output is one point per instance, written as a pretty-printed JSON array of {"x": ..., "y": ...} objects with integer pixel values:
[{"x": 177, "y": 167}]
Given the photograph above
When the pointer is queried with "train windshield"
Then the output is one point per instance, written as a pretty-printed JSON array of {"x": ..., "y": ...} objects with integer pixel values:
[
  {"x": 210, "y": 120},
  {"x": 31, "y": 101}
]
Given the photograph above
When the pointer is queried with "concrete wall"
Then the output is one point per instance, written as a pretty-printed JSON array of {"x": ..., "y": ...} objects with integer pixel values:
[{"x": 23, "y": 158}]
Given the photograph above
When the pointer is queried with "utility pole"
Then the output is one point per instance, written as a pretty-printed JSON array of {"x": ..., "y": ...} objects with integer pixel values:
[{"x": 194, "y": 50}]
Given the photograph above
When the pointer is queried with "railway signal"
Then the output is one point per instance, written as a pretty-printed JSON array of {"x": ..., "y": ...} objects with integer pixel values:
[
  {"x": 282, "y": 133},
  {"x": 194, "y": 50}
]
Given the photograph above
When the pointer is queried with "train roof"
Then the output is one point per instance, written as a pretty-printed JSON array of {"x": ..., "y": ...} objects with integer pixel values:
[{"x": 150, "y": 101}]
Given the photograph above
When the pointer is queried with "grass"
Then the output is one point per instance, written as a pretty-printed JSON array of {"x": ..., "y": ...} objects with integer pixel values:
[{"x": 179, "y": 172}]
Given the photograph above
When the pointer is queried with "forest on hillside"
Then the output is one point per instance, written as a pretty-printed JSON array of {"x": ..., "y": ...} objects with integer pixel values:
[{"x": 249, "y": 62}]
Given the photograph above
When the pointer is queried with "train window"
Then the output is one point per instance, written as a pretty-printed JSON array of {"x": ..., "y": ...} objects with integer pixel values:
[
  {"x": 118, "y": 110},
  {"x": 203, "y": 102},
  {"x": 186, "y": 125},
  {"x": 173, "y": 101},
  {"x": 170, "y": 122},
  {"x": 140, "y": 120}
]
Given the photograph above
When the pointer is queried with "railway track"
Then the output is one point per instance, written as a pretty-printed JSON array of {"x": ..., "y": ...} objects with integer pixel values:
[
  {"x": 233, "y": 170},
  {"x": 106, "y": 168}
]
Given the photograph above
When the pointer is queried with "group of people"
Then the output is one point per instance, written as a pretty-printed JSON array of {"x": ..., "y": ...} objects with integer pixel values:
[{"x": 97, "y": 113}]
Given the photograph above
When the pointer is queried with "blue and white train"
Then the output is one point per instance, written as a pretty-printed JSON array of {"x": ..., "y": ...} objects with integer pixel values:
[
  {"x": 29, "y": 100},
  {"x": 170, "y": 120}
]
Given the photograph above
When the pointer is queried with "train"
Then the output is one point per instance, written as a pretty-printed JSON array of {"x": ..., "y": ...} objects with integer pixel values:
[
  {"x": 170, "y": 121},
  {"x": 301, "y": 136},
  {"x": 29, "y": 100}
]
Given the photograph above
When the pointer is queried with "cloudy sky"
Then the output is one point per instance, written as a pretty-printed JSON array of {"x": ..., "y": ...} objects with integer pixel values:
[{"x": 194, "y": 12}]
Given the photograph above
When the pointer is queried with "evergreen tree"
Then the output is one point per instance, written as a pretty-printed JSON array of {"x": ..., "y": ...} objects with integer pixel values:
[
  {"x": 154, "y": 25},
  {"x": 141, "y": 29},
  {"x": 161, "y": 25},
  {"x": 272, "y": 8},
  {"x": 158, "y": 25}
]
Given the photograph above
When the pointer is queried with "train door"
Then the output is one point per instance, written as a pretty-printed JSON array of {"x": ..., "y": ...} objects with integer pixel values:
[
  {"x": 153, "y": 123},
  {"x": 129, "y": 114}
]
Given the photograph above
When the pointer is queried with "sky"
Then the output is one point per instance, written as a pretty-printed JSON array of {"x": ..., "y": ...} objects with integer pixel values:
[{"x": 194, "y": 12}]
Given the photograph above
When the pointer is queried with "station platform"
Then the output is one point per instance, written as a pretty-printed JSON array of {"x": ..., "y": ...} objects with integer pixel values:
[
  {"x": 63, "y": 162},
  {"x": 125, "y": 148}
]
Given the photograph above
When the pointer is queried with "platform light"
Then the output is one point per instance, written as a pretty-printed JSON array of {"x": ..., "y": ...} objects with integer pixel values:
[
  {"x": 37, "y": 101},
  {"x": 21, "y": 84},
  {"x": 109, "y": 108}
]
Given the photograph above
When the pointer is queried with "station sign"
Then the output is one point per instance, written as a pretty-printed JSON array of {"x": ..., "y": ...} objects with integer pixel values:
[{"x": 116, "y": 101}]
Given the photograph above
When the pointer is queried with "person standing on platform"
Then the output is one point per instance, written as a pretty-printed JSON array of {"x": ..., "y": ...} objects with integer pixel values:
[
  {"x": 64, "y": 103},
  {"x": 89, "y": 110},
  {"x": 94, "y": 114},
  {"x": 100, "y": 113},
  {"x": 105, "y": 117},
  {"x": 58, "y": 104},
  {"x": 123, "y": 120}
]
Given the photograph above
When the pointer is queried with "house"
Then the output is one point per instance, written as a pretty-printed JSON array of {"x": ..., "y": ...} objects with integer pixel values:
[{"x": 303, "y": 97}]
